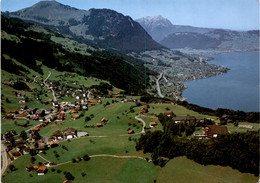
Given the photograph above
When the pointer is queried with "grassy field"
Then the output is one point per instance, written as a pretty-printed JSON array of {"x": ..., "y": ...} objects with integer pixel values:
[
  {"x": 176, "y": 109},
  {"x": 99, "y": 169},
  {"x": 7, "y": 125},
  {"x": 183, "y": 170},
  {"x": 118, "y": 118},
  {"x": 238, "y": 129}
]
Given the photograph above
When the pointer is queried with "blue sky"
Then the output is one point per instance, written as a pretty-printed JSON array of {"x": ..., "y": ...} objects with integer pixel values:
[{"x": 230, "y": 14}]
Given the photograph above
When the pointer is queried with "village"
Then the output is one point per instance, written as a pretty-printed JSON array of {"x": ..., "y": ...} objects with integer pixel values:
[{"x": 81, "y": 100}]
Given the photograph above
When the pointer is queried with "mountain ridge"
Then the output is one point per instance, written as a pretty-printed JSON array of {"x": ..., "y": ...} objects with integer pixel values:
[{"x": 102, "y": 27}]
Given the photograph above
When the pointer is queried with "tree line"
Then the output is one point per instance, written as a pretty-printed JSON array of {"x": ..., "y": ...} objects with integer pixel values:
[{"x": 237, "y": 150}]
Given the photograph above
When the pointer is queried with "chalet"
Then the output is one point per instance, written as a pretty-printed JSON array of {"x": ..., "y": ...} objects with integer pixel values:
[
  {"x": 131, "y": 132},
  {"x": 23, "y": 107},
  {"x": 42, "y": 170},
  {"x": 153, "y": 124},
  {"x": 61, "y": 116},
  {"x": 53, "y": 144},
  {"x": 70, "y": 133},
  {"x": 215, "y": 130},
  {"x": 35, "y": 167},
  {"x": 57, "y": 135},
  {"x": 36, "y": 118},
  {"x": 104, "y": 120},
  {"x": 73, "y": 111},
  {"x": 75, "y": 117},
  {"x": 29, "y": 168},
  {"x": 21, "y": 116},
  {"x": 40, "y": 113},
  {"x": 31, "y": 111},
  {"x": 99, "y": 124},
  {"x": 45, "y": 102}
]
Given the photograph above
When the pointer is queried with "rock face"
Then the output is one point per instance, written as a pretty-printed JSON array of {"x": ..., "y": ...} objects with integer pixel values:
[{"x": 102, "y": 27}]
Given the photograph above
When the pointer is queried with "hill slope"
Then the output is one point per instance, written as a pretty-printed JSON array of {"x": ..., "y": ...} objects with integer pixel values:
[
  {"x": 101, "y": 27},
  {"x": 33, "y": 47}
]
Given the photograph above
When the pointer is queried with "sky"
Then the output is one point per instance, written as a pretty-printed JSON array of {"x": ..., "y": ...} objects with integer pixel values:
[{"x": 227, "y": 14}]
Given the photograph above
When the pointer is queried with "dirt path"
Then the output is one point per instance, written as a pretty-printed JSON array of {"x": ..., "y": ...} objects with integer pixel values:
[{"x": 53, "y": 93}]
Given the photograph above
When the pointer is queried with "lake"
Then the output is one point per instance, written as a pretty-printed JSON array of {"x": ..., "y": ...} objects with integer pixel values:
[{"x": 238, "y": 89}]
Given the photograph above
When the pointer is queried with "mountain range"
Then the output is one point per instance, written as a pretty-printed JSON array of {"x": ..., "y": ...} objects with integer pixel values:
[
  {"x": 100, "y": 27},
  {"x": 159, "y": 27},
  {"x": 188, "y": 37}
]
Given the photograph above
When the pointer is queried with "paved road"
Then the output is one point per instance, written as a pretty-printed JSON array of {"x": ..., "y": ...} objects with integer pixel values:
[
  {"x": 158, "y": 85},
  {"x": 5, "y": 161},
  {"x": 53, "y": 93}
]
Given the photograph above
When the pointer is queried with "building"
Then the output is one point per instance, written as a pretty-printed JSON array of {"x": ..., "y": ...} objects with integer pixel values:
[
  {"x": 131, "y": 132},
  {"x": 99, "y": 124},
  {"x": 189, "y": 119},
  {"x": 104, "y": 120},
  {"x": 153, "y": 124},
  {"x": 40, "y": 113},
  {"x": 214, "y": 130},
  {"x": 69, "y": 133},
  {"x": 42, "y": 170}
]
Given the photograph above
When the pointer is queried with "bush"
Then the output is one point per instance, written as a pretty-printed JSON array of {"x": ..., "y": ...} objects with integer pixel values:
[
  {"x": 83, "y": 174},
  {"x": 59, "y": 171},
  {"x": 86, "y": 157},
  {"x": 69, "y": 176},
  {"x": 12, "y": 168}
]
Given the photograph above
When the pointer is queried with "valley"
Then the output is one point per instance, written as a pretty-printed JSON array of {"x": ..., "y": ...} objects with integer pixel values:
[{"x": 90, "y": 96}]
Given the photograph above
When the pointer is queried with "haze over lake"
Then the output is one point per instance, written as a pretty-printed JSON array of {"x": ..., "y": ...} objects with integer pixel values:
[{"x": 238, "y": 89}]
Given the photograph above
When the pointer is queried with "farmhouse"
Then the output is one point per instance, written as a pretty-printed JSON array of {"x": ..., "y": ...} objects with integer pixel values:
[
  {"x": 42, "y": 170},
  {"x": 153, "y": 124},
  {"x": 99, "y": 124},
  {"x": 131, "y": 132},
  {"x": 215, "y": 130},
  {"x": 104, "y": 120},
  {"x": 57, "y": 135},
  {"x": 70, "y": 133}
]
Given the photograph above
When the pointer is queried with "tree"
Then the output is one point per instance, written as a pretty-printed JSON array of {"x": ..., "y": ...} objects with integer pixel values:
[
  {"x": 23, "y": 135},
  {"x": 235, "y": 123},
  {"x": 12, "y": 168},
  {"x": 33, "y": 159},
  {"x": 86, "y": 157},
  {"x": 69, "y": 176}
]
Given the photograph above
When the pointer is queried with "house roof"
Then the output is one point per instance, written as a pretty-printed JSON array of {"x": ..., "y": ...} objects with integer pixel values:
[
  {"x": 103, "y": 119},
  {"x": 153, "y": 123},
  {"x": 130, "y": 131},
  {"x": 21, "y": 115},
  {"x": 42, "y": 168},
  {"x": 99, "y": 124},
  {"x": 35, "y": 167},
  {"x": 76, "y": 116},
  {"x": 57, "y": 133},
  {"x": 217, "y": 129},
  {"x": 67, "y": 181}
]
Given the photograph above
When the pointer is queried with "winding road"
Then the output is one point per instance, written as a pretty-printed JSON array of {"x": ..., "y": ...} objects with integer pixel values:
[
  {"x": 53, "y": 93},
  {"x": 158, "y": 85}
]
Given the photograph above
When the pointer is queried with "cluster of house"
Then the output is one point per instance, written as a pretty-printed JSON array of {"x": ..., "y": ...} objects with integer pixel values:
[
  {"x": 103, "y": 121},
  {"x": 41, "y": 170},
  {"x": 68, "y": 133}
]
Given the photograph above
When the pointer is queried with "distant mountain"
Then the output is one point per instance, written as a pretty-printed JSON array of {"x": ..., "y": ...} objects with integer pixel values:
[
  {"x": 219, "y": 40},
  {"x": 102, "y": 27},
  {"x": 159, "y": 27}
]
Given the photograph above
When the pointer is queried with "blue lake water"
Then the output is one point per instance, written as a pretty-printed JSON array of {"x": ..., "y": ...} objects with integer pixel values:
[{"x": 238, "y": 89}]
